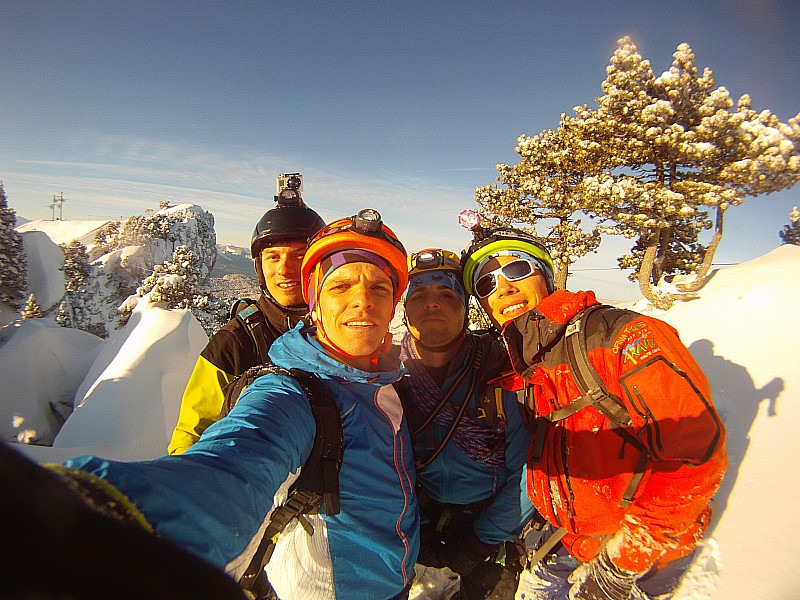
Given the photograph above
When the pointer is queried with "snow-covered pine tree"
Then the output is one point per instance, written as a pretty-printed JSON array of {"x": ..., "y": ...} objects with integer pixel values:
[
  {"x": 13, "y": 265},
  {"x": 791, "y": 232},
  {"x": 32, "y": 310},
  {"x": 477, "y": 318},
  {"x": 63, "y": 317},
  {"x": 106, "y": 238},
  {"x": 175, "y": 284},
  {"x": 81, "y": 295},
  {"x": 680, "y": 150},
  {"x": 542, "y": 189},
  {"x": 651, "y": 161}
]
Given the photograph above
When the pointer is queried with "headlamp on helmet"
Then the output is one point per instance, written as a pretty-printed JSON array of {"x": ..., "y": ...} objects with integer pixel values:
[
  {"x": 435, "y": 266},
  {"x": 469, "y": 219},
  {"x": 363, "y": 231},
  {"x": 433, "y": 259},
  {"x": 367, "y": 221}
]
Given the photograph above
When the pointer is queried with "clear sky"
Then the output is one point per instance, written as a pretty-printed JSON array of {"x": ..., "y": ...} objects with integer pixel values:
[{"x": 405, "y": 107}]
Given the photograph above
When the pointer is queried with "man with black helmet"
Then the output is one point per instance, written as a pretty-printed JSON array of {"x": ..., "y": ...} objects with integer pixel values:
[
  {"x": 222, "y": 499},
  {"x": 277, "y": 246}
]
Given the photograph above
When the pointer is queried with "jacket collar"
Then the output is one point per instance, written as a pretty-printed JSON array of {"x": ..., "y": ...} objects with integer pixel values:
[
  {"x": 280, "y": 318},
  {"x": 297, "y": 349},
  {"x": 530, "y": 336}
]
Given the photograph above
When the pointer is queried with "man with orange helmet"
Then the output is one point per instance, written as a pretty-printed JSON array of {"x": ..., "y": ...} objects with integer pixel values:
[{"x": 214, "y": 499}]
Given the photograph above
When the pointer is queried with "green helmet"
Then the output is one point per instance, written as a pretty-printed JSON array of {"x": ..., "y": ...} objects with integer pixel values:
[{"x": 504, "y": 241}]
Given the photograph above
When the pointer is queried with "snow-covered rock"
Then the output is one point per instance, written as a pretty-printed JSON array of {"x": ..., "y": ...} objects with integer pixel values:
[
  {"x": 134, "y": 388},
  {"x": 42, "y": 367}
]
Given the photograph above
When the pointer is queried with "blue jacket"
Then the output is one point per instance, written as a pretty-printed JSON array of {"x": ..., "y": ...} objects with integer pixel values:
[
  {"x": 453, "y": 477},
  {"x": 215, "y": 498}
]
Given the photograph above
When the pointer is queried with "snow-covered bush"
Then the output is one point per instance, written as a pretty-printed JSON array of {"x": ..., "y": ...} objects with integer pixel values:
[
  {"x": 791, "y": 232},
  {"x": 175, "y": 284},
  {"x": 32, "y": 310}
]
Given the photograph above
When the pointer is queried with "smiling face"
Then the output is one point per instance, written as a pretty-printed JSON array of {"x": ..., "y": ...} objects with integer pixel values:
[
  {"x": 512, "y": 298},
  {"x": 281, "y": 268},
  {"x": 435, "y": 315},
  {"x": 356, "y": 304}
]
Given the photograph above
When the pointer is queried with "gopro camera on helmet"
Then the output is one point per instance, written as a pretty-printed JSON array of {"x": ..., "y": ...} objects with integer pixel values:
[{"x": 289, "y": 187}]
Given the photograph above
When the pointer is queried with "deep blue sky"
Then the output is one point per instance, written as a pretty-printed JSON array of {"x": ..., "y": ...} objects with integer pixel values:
[{"x": 404, "y": 107}]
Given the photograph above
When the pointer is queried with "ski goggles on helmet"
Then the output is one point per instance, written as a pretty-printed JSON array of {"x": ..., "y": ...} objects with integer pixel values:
[
  {"x": 433, "y": 259},
  {"x": 435, "y": 266},
  {"x": 448, "y": 279},
  {"x": 516, "y": 270}
]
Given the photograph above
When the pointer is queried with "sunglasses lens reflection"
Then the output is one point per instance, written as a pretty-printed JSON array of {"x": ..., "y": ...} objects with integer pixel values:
[{"x": 513, "y": 271}]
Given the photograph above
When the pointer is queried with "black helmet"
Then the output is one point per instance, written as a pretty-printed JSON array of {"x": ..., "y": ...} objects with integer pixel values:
[{"x": 289, "y": 221}]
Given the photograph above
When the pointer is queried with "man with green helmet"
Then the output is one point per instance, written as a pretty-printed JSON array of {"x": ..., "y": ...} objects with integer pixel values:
[
  {"x": 469, "y": 439},
  {"x": 627, "y": 449},
  {"x": 277, "y": 246}
]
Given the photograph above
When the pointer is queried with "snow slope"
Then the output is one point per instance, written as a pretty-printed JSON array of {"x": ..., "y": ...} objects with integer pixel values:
[
  {"x": 744, "y": 333},
  {"x": 63, "y": 232}
]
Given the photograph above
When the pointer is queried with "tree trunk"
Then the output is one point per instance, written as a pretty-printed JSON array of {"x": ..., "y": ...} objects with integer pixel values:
[
  {"x": 645, "y": 272},
  {"x": 661, "y": 255},
  {"x": 561, "y": 275},
  {"x": 702, "y": 273}
]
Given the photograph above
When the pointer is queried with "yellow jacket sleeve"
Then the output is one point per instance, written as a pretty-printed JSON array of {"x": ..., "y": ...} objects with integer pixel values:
[{"x": 201, "y": 404}]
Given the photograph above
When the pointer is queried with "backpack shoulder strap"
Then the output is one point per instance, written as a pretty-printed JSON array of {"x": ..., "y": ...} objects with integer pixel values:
[
  {"x": 234, "y": 389},
  {"x": 594, "y": 393},
  {"x": 588, "y": 381},
  {"x": 318, "y": 481},
  {"x": 246, "y": 310},
  {"x": 327, "y": 452},
  {"x": 239, "y": 304}
]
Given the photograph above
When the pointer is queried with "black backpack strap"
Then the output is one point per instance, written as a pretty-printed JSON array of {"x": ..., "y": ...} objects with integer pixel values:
[
  {"x": 255, "y": 324},
  {"x": 234, "y": 389},
  {"x": 299, "y": 503},
  {"x": 318, "y": 481},
  {"x": 594, "y": 393},
  {"x": 589, "y": 383},
  {"x": 238, "y": 305},
  {"x": 328, "y": 450}
]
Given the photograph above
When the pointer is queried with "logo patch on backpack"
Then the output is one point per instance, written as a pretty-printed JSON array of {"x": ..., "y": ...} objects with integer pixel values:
[{"x": 635, "y": 343}]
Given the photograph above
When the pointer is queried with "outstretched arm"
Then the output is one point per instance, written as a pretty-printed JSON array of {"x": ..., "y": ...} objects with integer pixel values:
[{"x": 213, "y": 499}]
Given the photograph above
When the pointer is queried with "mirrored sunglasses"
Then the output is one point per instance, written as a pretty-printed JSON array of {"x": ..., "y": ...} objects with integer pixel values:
[{"x": 513, "y": 271}]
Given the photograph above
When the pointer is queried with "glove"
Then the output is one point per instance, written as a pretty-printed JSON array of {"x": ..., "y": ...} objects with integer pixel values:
[
  {"x": 64, "y": 521},
  {"x": 489, "y": 581},
  {"x": 601, "y": 579},
  {"x": 463, "y": 553}
]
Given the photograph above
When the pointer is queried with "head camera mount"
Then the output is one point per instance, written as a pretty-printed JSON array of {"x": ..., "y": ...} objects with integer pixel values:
[{"x": 289, "y": 187}]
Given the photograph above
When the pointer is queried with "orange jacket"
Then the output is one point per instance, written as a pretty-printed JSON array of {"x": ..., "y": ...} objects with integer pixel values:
[{"x": 585, "y": 466}]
